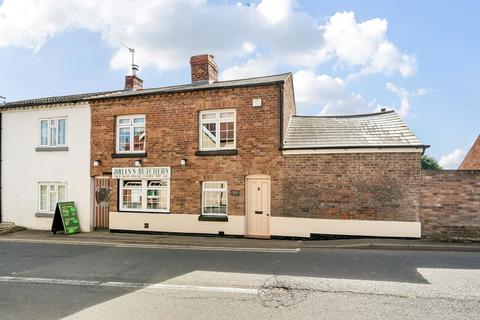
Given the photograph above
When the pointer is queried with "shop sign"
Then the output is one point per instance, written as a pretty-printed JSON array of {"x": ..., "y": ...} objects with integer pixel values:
[{"x": 141, "y": 173}]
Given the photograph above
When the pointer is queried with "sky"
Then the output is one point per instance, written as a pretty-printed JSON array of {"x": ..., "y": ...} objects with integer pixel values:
[{"x": 419, "y": 58}]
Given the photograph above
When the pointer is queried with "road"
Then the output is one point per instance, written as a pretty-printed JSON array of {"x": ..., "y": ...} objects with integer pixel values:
[{"x": 53, "y": 281}]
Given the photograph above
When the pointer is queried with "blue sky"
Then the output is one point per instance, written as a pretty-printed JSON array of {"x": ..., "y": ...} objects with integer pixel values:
[{"x": 418, "y": 57}]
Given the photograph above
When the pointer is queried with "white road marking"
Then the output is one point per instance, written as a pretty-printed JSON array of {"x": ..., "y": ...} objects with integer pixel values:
[
  {"x": 135, "y": 285},
  {"x": 153, "y": 246}
]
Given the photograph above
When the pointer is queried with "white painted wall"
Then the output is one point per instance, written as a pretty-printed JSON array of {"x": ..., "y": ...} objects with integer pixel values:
[
  {"x": 182, "y": 223},
  {"x": 23, "y": 167},
  {"x": 279, "y": 226}
]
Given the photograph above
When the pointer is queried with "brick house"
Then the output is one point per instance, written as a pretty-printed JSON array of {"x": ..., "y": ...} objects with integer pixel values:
[
  {"x": 232, "y": 157},
  {"x": 472, "y": 159}
]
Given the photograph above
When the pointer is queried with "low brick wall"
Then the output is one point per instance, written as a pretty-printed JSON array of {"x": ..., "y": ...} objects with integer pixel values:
[{"x": 450, "y": 204}]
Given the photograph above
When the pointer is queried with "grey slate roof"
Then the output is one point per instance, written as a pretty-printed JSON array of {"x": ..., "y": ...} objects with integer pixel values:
[
  {"x": 53, "y": 100},
  {"x": 122, "y": 93},
  {"x": 202, "y": 86},
  {"x": 382, "y": 129}
]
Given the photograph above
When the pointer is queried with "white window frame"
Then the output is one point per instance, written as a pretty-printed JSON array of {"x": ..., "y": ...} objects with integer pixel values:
[
  {"x": 218, "y": 190},
  {"x": 48, "y": 184},
  {"x": 49, "y": 138},
  {"x": 131, "y": 126},
  {"x": 144, "y": 196},
  {"x": 217, "y": 122}
]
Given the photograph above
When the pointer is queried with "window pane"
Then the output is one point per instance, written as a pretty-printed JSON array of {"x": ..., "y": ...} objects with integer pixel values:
[
  {"x": 62, "y": 195},
  {"x": 138, "y": 139},
  {"x": 53, "y": 136},
  {"x": 43, "y": 197},
  {"x": 132, "y": 198},
  {"x": 227, "y": 115},
  {"x": 61, "y": 131},
  {"x": 132, "y": 184},
  {"x": 160, "y": 183},
  {"x": 53, "y": 199},
  {"x": 139, "y": 120},
  {"x": 209, "y": 116},
  {"x": 214, "y": 185},
  {"x": 227, "y": 133},
  {"x": 215, "y": 202},
  {"x": 124, "y": 139},
  {"x": 124, "y": 121},
  {"x": 44, "y": 132},
  {"x": 209, "y": 135}
]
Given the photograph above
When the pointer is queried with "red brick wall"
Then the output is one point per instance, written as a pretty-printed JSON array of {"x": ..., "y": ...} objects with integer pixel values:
[
  {"x": 364, "y": 186},
  {"x": 172, "y": 134},
  {"x": 450, "y": 204},
  {"x": 289, "y": 107}
]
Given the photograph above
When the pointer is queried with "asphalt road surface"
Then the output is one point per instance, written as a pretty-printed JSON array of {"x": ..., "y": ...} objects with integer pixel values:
[{"x": 50, "y": 281}]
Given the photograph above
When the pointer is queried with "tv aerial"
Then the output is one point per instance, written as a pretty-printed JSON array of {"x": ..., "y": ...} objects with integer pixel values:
[{"x": 132, "y": 51}]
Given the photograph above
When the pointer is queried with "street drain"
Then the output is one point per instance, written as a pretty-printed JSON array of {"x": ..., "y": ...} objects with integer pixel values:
[{"x": 275, "y": 293}]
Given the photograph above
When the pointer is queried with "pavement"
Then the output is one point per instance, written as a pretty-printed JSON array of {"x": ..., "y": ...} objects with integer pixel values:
[{"x": 106, "y": 238}]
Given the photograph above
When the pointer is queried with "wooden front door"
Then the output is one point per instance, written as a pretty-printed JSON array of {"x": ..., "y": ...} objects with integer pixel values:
[
  {"x": 101, "y": 195},
  {"x": 258, "y": 206}
]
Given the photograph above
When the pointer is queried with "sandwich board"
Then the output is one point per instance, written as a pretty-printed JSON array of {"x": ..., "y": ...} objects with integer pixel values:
[{"x": 66, "y": 218}]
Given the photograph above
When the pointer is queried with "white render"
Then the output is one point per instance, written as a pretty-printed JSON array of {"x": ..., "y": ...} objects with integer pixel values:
[
  {"x": 279, "y": 226},
  {"x": 23, "y": 167}
]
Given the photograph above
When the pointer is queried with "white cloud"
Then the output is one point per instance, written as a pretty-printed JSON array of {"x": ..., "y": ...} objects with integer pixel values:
[
  {"x": 404, "y": 96},
  {"x": 365, "y": 44},
  {"x": 256, "y": 67},
  {"x": 275, "y": 11},
  {"x": 453, "y": 159},
  {"x": 247, "y": 40},
  {"x": 325, "y": 95},
  {"x": 165, "y": 33}
]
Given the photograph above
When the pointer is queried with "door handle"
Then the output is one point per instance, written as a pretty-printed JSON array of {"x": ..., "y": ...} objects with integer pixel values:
[{"x": 258, "y": 212}]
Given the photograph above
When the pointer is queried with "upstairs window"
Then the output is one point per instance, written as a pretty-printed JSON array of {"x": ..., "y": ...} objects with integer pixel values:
[
  {"x": 53, "y": 132},
  {"x": 217, "y": 130},
  {"x": 131, "y": 134}
]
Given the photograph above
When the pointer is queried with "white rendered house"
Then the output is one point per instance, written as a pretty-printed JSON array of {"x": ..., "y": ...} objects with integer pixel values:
[{"x": 45, "y": 149}]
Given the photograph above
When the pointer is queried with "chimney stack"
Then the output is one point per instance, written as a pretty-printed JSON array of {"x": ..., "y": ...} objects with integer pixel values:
[
  {"x": 204, "y": 69},
  {"x": 133, "y": 83}
]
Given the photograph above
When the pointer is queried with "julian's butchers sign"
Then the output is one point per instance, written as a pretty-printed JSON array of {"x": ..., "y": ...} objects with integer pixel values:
[{"x": 141, "y": 173}]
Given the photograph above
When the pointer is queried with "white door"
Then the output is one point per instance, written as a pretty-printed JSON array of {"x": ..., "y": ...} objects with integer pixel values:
[{"x": 258, "y": 206}]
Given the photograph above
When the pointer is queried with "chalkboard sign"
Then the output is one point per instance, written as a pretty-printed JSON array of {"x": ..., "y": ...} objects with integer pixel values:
[{"x": 66, "y": 218}]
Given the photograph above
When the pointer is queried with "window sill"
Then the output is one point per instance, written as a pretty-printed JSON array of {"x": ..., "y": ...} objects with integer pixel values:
[
  {"x": 205, "y": 217},
  {"x": 148, "y": 212},
  {"x": 217, "y": 153},
  {"x": 130, "y": 155},
  {"x": 44, "y": 215},
  {"x": 49, "y": 149}
]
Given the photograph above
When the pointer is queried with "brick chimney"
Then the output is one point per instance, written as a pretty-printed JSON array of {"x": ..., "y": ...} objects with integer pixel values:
[
  {"x": 204, "y": 69},
  {"x": 132, "y": 82}
]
